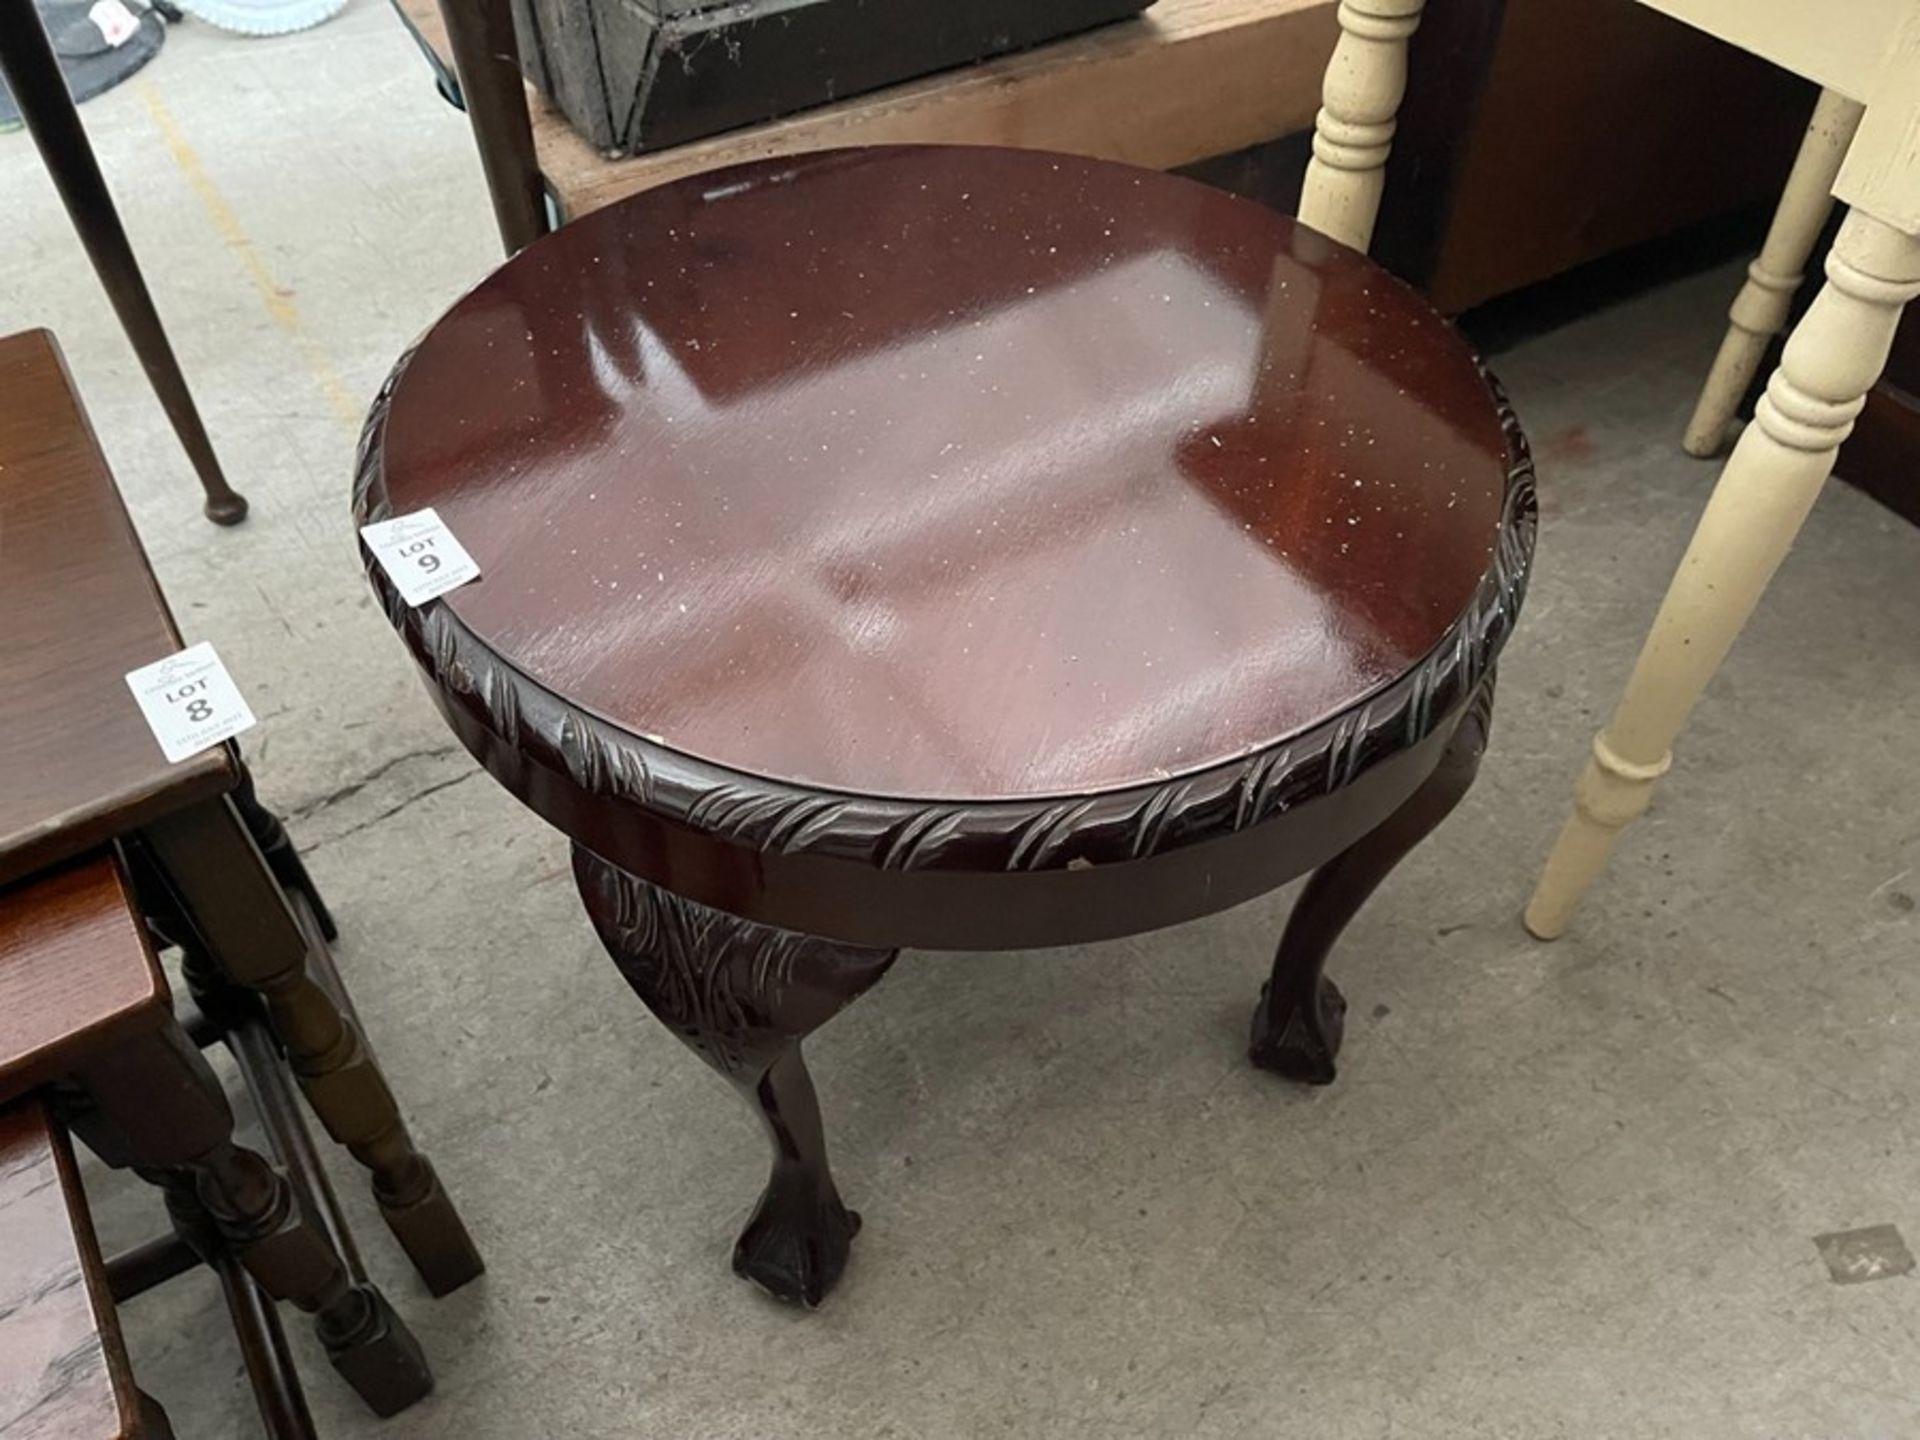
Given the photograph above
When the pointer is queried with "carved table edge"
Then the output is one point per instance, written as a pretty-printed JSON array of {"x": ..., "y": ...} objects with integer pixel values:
[{"x": 1029, "y": 833}]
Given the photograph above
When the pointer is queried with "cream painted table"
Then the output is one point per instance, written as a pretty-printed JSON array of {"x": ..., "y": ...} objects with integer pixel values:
[{"x": 1864, "y": 54}]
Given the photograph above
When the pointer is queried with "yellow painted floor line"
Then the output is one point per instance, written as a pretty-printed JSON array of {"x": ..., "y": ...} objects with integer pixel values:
[{"x": 274, "y": 296}]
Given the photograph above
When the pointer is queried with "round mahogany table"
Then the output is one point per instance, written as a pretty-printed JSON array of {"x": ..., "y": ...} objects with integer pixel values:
[{"x": 960, "y": 548}]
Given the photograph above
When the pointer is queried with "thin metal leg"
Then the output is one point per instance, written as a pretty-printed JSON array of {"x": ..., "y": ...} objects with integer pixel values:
[{"x": 33, "y": 75}]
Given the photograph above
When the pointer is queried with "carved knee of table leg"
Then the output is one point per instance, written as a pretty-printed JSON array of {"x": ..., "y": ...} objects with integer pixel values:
[
  {"x": 743, "y": 996},
  {"x": 1300, "y": 1020}
]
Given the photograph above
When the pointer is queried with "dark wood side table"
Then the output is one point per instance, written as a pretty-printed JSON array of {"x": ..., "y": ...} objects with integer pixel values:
[
  {"x": 963, "y": 548},
  {"x": 215, "y": 869},
  {"x": 86, "y": 1019},
  {"x": 63, "y": 1368}
]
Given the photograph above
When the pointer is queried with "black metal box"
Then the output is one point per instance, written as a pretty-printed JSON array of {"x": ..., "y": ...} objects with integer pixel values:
[{"x": 636, "y": 75}]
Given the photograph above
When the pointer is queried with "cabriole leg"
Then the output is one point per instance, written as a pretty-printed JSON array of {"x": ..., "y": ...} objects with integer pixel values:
[
  {"x": 1301, "y": 1015},
  {"x": 744, "y": 996}
]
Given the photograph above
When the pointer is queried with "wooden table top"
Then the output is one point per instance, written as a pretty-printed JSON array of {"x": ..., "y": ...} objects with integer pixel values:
[
  {"x": 77, "y": 972},
  {"x": 952, "y": 472},
  {"x": 63, "y": 1371},
  {"x": 81, "y": 609}
]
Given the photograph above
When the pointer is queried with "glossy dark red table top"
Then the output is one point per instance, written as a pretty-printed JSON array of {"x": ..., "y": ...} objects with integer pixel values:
[{"x": 951, "y": 472}]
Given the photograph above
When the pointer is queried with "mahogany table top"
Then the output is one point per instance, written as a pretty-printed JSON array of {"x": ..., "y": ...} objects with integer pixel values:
[{"x": 952, "y": 473}]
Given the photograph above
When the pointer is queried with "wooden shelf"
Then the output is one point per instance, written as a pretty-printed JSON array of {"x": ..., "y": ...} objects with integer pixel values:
[{"x": 1188, "y": 80}]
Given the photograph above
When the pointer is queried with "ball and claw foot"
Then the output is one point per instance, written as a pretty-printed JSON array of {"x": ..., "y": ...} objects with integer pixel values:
[
  {"x": 796, "y": 1250},
  {"x": 744, "y": 996},
  {"x": 1297, "y": 1040}
]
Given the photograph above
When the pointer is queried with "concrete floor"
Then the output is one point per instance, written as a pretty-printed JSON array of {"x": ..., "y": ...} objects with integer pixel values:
[{"x": 1557, "y": 1191}]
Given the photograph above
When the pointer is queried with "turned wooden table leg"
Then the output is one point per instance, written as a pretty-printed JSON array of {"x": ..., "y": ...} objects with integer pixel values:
[
  {"x": 1298, "y": 1024},
  {"x": 1760, "y": 309},
  {"x": 744, "y": 996},
  {"x": 1359, "y": 102},
  {"x": 153, "y": 1104},
  {"x": 223, "y": 891},
  {"x": 1770, "y": 483},
  {"x": 269, "y": 1364}
]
